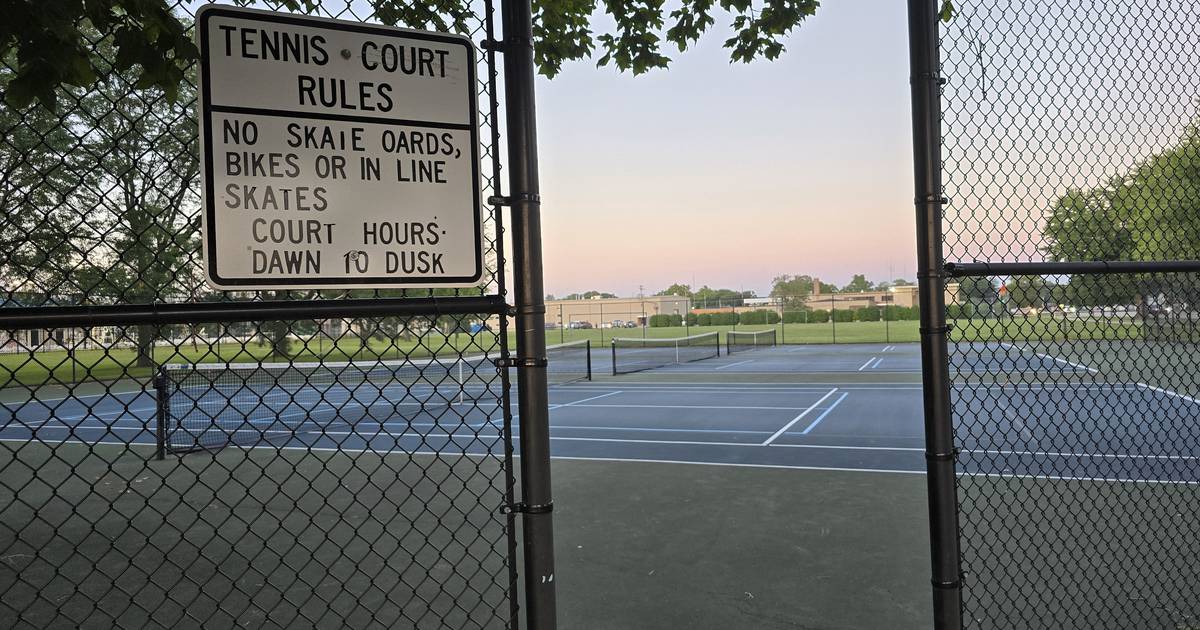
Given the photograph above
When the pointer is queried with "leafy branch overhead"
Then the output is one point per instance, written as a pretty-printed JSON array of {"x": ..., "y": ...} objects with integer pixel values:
[{"x": 47, "y": 41}]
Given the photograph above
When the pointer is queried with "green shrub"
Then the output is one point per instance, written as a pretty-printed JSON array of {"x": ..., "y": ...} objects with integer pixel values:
[
  {"x": 665, "y": 321},
  {"x": 724, "y": 319},
  {"x": 795, "y": 317},
  {"x": 693, "y": 319},
  {"x": 843, "y": 316},
  {"x": 704, "y": 319},
  {"x": 818, "y": 316},
  {"x": 752, "y": 317},
  {"x": 759, "y": 317},
  {"x": 867, "y": 314}
]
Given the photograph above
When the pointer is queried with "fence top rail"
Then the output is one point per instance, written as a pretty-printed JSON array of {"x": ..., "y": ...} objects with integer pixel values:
[
  {"x": 976, "y": 269},
  {"x": 201, "y": 312}
]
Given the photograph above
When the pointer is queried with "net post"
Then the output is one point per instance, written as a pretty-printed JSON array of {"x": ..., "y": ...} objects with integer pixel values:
[
  {"x": 940, "y": 456},
  {"x": 614, "y": 357},
  {"x": 589, "y": 359},
  {"x": 160, "y": 414}
]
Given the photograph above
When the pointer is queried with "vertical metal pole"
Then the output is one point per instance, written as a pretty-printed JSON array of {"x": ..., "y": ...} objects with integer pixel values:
[
  {"x": 589, "y": 359},
  {"x": 924, "y": 60},
  {"x": 160, "y": 415},
  {"x": 600, "y": 324},
  {"x": 614, "y": 356},
  {"x": 833, "y": 316},
  {"x": 528, "y": 290}
]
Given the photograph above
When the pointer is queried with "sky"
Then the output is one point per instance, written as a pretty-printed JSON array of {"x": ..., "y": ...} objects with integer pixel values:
[{"x": 726, "y": 175}]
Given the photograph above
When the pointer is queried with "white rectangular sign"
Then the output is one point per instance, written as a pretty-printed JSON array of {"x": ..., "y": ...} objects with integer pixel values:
[{"x": 337, "y": 154}]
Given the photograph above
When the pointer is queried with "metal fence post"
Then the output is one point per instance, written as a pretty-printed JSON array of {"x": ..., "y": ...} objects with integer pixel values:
[
  {"x": 532, "y": 402},
  {"x": 833, "y": 317},
  {"x": 160, "y": 414},
  {"x": 939, "y": 430}
]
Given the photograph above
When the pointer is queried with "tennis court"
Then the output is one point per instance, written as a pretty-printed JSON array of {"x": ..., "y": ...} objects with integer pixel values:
[{"x": 849, "y": 407}]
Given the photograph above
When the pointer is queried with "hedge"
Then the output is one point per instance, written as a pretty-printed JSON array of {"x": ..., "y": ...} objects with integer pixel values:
[
  {"x": 665, "y": 320},
  {"x": 759, "y": 317}
]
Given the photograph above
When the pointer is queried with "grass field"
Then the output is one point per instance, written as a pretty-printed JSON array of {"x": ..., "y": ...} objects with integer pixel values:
[{"x": 36, "y": 368}]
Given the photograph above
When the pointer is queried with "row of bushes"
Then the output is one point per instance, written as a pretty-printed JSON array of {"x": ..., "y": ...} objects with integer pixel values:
[{"x": 765, "y": 317}]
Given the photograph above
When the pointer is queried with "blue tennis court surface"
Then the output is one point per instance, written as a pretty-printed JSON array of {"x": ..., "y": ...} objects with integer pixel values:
[{"x": 845, "y": 407}]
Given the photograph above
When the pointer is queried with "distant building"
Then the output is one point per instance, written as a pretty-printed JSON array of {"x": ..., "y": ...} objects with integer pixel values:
[{"x": 613, "y": 312}]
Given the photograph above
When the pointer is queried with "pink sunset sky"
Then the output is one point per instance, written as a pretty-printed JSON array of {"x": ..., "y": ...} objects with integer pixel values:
[{"x": 728, "y": 175}]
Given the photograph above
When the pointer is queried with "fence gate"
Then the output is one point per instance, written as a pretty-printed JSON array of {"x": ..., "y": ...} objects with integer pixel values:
[
  {"x": 1061, "y": 310},
  {"x": 173, "y": 456}
]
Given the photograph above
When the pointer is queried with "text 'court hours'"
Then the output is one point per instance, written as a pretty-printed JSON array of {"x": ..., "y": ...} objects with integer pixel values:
[{"x": 337, "y": 154}]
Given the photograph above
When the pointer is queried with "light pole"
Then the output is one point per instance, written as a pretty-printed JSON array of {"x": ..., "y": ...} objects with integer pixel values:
[{"x": 833, "y": 316}]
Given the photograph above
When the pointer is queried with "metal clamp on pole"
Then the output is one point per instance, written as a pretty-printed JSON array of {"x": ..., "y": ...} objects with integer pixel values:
[
  {"x": 520, "y": 362},
  {"x": 497, "y": 200},
  {"x": 524, "y": 508},
  {"x": 514, "y": 42}
]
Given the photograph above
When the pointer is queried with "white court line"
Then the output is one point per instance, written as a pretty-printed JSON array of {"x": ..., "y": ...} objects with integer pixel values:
[
  {"x": 559, "y": 427},
  {"x": 576, "y": 402},
  {"x": 864, "y": 366},
  {"x": 1187, "y": 458},
  {"x": 756, "y": 388},
  {"x": 877, "y": 362},
  {"x": 821, "y": 417},
  {"x": 497, "y": 456},
  {"x": 847, "y": 447},
  {"x": 631, "y": 460},
  {"x": 1169, "y": 393},
  {"x": 1052, "y": 358},
  {"x": 676, "y": 370},
  {"x": 733, "y": 364},
  {"x": 798, "y": 418},
  {"x": 686, "y": 407}
]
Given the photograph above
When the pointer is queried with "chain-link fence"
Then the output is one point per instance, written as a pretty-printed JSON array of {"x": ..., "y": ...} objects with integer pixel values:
[
  {"x": 175, "y": 456},
  {"x": 1071, "y": 221}
]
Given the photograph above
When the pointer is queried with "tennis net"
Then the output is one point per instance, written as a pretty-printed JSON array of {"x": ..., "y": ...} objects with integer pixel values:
[
  {"x": 633, "y": 354},
  {"x": 739, "y": 340},
  {"x": 209, "y": 406}
]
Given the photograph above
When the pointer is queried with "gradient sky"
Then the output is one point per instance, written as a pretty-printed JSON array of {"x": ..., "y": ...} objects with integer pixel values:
[{"x": 727, "y": 175}]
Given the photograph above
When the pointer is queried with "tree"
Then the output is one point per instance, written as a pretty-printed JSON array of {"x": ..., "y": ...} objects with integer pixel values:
[
  {"x": 117, "y": 222},
  {"x": 40, "y": 164},
  {"x": 1028, "y": 292},
  {"x": 709, "y": 297},
  {"x": 793, "y": 290},
  {"x": 858, "y": 284},
  {"x": 681, "y": 290},
  {"x": 51, "y": 43},
  {"x": 980, "y": 296},
  {"x": 898, "y": 282},
  {"x": 142, "y": 221},
  {"x": 1149, "y": 213}
]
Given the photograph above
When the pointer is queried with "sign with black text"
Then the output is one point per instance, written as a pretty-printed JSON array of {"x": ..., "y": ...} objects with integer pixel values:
[{"x": 337, "y": 154}]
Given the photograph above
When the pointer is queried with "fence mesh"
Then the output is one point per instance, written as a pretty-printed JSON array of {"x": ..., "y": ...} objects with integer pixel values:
[
  {"x": 1069, "y": 135},
  {"x": 372, "y": 501}
]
